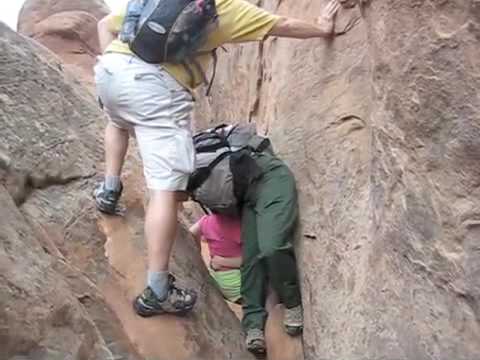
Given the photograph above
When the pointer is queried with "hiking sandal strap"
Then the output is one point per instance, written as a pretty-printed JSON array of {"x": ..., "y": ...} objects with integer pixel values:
[{"x": 199, "y": 68}]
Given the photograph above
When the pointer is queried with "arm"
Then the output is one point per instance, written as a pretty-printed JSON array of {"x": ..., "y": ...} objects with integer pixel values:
[
  {"x": 219, "y": 262},
  {"x": 196, "y": 231},
  {"x": 105, "y": 35},
  {"x": 299, "y": 29}
]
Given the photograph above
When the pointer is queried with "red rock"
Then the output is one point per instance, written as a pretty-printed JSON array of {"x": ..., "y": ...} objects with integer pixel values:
[
  {"x": 381, "y": 128},
  {"x": 68, "y": 28}
]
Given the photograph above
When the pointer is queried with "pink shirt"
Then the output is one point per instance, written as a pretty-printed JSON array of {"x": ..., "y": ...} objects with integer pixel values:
[{"x": 222, "y": 235}]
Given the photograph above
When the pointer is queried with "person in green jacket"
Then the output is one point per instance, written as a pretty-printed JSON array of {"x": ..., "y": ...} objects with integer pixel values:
[{"x": 269, "y": 215}]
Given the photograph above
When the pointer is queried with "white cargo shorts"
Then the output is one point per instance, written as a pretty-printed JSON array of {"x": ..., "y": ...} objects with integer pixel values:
[{"x": 147, "y": 100}]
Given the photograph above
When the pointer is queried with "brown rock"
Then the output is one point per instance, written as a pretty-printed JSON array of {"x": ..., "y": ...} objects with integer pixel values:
[
  {"x": 382, "y": 130},
  {"x": 280, "y": 345},
  {"x": 40, "y": 316},
  {"x": 68, "y": 28},
  {"x": 60, "y": 297}
]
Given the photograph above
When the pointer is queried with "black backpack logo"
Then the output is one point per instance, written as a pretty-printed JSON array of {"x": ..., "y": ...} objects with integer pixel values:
[{"x": 169, "y": 31}]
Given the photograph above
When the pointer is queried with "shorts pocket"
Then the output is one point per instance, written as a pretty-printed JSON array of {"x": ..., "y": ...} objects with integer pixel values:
[
  {"x": 154, "y": 79},
  {"x": 173, "y": 84},
  {"x": 150, "y": 94}
]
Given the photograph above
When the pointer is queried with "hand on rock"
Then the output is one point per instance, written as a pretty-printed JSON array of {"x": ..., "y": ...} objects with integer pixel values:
[
  {"x": 327, "y": 19},
  {"x": 351, "y": 3}
]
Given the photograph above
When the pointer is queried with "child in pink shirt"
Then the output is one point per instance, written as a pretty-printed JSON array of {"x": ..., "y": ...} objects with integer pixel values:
[{"x": 223, "y": 237}]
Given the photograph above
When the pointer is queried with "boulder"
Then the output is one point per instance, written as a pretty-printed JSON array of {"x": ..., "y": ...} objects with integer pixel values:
[{"x": 68, "y": 28}]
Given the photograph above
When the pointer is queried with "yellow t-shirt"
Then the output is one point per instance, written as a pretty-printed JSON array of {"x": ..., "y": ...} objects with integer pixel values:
[{"x": 239, "y": 21}]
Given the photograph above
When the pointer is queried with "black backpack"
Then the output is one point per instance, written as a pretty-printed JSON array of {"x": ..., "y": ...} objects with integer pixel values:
[
  {"x": 225, "y": 167},
  {"x": 172, "y": 31}
]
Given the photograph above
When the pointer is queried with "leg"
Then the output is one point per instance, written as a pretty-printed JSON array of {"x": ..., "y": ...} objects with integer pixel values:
[
  {"x": 168, "y": 160},
  {"x": 253, "y": 275},
  {"x": 151, "y": 102},
  {"x": 166, "y": 176},
  {"x": 162, "y": 296},
  {"x": 253, "y": 285},
  {"x": 116, "y": 139},
  {"x": 160, "y": 228},
  {"x": 282, "y": 269},
  {"x": 116, "y": 145},
  {"x": 276, "y": 220}
]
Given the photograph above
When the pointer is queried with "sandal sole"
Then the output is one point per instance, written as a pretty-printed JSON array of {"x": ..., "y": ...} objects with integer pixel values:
[
  {"x": 294, "y": 330},
  {"x": 149, "y": 313},
  {"x": 258, "y": 352}
]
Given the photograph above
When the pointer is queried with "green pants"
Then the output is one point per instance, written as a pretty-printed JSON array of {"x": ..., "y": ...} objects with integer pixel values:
[{"x": 269, "y": 217}]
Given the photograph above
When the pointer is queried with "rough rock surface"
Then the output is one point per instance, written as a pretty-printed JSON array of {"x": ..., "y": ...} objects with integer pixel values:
[
  {"x": 68, "y": 28},
  {"x": 60, "y": 296},
  {"x": 382, "y": 129}
]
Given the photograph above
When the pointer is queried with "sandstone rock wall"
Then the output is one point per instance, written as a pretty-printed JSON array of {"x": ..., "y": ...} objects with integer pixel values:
[{"x": 382, "y": 129}]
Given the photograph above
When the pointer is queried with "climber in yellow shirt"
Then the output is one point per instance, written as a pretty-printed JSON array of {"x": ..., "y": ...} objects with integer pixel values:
[{"x": 154, "y": 101}]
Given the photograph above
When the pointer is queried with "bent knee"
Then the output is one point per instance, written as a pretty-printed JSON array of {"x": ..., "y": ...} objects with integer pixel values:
[{"x": 270, "y": 250}]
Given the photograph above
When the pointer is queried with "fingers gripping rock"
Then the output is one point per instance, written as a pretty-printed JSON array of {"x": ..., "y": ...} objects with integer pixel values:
[{"x": 352, "y": 3}]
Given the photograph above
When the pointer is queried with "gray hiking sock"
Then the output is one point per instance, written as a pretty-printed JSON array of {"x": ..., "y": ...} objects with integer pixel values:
[
  {"x": 112, "y": 183},
  {"x": 158, "y": 282}
]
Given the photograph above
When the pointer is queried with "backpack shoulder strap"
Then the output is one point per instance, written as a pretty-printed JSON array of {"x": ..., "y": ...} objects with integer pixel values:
[
  {"x": 215, "y": 63},
  {"x": 190, "y": 73},
  {"x": 212, "y": 79}
]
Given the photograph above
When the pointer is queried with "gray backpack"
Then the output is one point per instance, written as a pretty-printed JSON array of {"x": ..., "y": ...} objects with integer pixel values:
[{"x": 222, "y": 153}]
